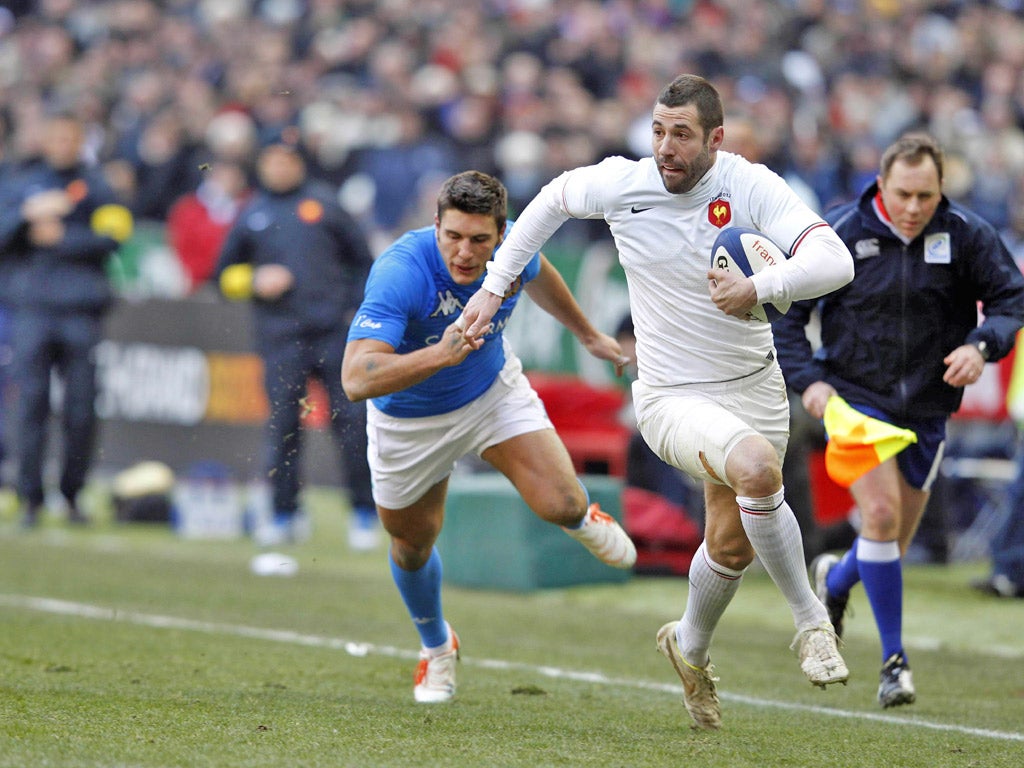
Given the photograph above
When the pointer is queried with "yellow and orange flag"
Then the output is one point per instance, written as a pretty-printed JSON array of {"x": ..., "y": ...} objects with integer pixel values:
[{"x": 857, "y": 443}]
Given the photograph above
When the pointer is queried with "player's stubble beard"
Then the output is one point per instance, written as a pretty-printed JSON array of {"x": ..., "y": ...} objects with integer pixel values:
[{"x": 695, "y": 171}]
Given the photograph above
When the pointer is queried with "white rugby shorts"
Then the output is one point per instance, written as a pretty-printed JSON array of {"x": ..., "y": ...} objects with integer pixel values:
[
  {"x": 408, "y": 456},
  {"x": 695, "y": 426}
]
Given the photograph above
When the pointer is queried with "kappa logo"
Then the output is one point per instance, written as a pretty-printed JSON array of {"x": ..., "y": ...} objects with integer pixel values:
[
  {"x": 447, "y": 305},
  {"x": 866, "y": 249}
]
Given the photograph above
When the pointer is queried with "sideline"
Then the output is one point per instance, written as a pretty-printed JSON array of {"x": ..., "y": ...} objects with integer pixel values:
[{"x": 354, "y": 648}]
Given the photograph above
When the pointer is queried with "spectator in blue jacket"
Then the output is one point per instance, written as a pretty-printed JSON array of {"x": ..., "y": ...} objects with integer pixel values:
[
  {"x": 899, "y": 344},
  {"x": 303, "y": 261},
  {"x": 59, "y": 223}
]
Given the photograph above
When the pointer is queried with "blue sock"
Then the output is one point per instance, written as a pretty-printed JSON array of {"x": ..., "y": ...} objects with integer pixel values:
[
  {"x": 882, "y": 574},
  {"x": 586, "y": 506},
  {"x": 365, "y": 515},
  {"x": 421, "y": 591},
  {"x": 845, "y": 574}
]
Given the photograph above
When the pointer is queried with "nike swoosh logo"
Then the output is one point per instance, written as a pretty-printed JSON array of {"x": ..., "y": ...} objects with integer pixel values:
[{"x": 634, "y": 209}]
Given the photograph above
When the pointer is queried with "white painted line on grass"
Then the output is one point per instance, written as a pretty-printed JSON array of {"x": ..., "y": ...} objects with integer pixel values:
[{"x": 354, "y": 648}]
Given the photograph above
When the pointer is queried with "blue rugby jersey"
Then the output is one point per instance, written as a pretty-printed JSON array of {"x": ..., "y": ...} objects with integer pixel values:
[{"x": 410, "y": 298}]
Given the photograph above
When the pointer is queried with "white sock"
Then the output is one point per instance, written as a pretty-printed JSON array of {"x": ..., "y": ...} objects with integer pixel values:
[
  {"x": 712, "y": 587},
  {"x": 772, "y": 528},
  {"x": 440, "y": 650}
]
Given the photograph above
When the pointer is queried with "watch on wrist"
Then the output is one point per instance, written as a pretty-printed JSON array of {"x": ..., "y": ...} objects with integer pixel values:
[{"x": 983, "y": 349}]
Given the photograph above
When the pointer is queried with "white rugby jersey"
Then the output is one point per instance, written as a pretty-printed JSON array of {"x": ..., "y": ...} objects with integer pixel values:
[{"x": 664, "y": 243}]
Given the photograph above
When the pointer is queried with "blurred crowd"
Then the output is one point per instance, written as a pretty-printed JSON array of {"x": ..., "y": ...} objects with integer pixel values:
[{"x": 393, "y": 96}]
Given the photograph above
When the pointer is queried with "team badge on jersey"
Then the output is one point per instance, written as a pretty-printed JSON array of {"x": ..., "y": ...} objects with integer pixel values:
[
  {"x": 937, "y": 249},
  {"x": 719, "y": 212},
  {"x": 310, "y": 211}
]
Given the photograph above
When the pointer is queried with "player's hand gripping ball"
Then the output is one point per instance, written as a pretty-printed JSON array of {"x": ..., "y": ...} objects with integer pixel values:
[{"x": 747, "y": 251}]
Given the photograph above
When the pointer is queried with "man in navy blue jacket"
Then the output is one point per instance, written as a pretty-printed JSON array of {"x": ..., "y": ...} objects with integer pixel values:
[
  {"x": 303, "y": 261},
  {"x": 59, "y": 223},
  {"x": 899, "y": 343}
]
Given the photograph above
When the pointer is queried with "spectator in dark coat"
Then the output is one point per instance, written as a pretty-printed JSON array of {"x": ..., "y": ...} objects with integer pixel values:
[
  {"x": 303, "y": 261},
  {"x": 59, "y": 223}
]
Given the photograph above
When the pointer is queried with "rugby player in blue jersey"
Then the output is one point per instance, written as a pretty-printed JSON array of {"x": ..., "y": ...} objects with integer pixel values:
[{"x": 432, "y": 398}]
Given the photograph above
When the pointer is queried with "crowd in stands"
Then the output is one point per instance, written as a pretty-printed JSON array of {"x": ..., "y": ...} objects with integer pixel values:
[{"x": 393, "y": 96}]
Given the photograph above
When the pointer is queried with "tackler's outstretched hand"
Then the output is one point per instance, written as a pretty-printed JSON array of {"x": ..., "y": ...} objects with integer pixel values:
[
  {"x": 605, "y": 347},
  {"x": 454, "y": 347},
  {"x": 476, "y": 316}
]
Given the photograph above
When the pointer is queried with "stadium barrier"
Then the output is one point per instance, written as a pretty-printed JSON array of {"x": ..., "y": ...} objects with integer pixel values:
[{"x": 492, "y": 540}]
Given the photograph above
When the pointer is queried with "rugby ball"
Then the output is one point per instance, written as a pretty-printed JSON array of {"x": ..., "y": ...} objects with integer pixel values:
[{"x": 745, "y": 250}]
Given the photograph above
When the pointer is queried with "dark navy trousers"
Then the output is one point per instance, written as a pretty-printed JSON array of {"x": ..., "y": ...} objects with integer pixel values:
[
  {"x": 288, "y": 364},
  {"x": 63, "y": 342}
]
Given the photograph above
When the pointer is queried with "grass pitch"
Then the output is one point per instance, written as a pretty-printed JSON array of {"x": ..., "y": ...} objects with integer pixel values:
[{"x": 127, "y": 646}]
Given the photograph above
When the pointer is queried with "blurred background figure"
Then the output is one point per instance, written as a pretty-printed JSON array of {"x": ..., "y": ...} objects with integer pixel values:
[
  {"x": 59, "y": 223},
  {"x": 1006, "y": 579},
  {"x": 303, "y": 261},
  {"x": 7, "y": 169},
  {"x": 166, "y": 165},
  {"x": 1013, "y": 233},
  {"x": 198, "y": 222}
]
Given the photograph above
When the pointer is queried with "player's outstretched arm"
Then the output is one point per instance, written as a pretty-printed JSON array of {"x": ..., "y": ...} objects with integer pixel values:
[
  {"x": 538, "y": 221},
  {"x": 372, "y": 368}
]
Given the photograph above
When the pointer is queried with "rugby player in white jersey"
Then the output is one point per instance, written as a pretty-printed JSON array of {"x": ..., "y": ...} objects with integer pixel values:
[{"x": 710, "y": 398}]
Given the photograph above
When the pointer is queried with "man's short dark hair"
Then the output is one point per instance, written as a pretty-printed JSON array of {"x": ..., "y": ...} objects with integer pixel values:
[
  {"x": 692, "y": 89},
  {"x": 912, "y": 149},
  {"x": 474, "y": 192}
]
